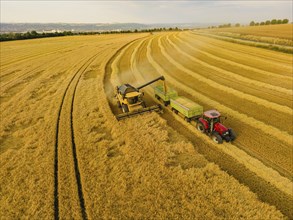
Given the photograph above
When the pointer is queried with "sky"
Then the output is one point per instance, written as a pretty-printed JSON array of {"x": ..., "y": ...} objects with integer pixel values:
[{"x": 77, "y": 11}]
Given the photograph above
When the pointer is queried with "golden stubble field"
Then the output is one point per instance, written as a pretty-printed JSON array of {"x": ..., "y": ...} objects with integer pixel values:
[{"x": 64, "y": 155}]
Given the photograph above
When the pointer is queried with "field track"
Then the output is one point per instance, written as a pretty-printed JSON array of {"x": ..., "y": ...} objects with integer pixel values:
[
  {"x": 61, "y": 142},
  {"x": 76, "y": 77}
]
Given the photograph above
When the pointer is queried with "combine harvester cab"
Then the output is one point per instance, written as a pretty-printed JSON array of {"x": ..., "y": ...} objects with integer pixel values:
[
  {"x": 130, "y": 100},
  {"x": 210, "y": 123}
]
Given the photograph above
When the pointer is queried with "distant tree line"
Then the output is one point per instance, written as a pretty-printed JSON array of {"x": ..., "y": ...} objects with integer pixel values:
[
  {"x": 269, "y": 22},
  {"x": 35, "y": 34},
  {"x": 32, "y": 35},
  {"x": 253, "y": 23}
]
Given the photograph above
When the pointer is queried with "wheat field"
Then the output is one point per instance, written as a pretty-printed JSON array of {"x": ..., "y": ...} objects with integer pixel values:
[{"x": 64, "y": 155}]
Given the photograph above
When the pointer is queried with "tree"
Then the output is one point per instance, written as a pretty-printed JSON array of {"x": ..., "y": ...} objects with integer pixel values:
[
  {"x": 256, "y": 24},
  {"x": 34, "y": 33},
  {"x": 237, "y": 25},
  {"x": 285, "y": 21},
  {"x": 252, "y": 23},
  {"x": 262, "y": 23},
  {"x": 279, "y": 21},
  {"x": 274, "y": 21},
  {"x": 268, "y": 22}
]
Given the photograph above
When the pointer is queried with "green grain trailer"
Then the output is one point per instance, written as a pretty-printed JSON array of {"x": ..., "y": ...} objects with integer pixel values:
[
  {"x": 160, "y": 94},
  {"x": 189, "y": 109}
]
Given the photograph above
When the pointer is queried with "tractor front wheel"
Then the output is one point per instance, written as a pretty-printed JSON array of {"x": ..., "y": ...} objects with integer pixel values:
[
  {"x": 232, "y": 134},
  {"x": 217, "y": 138},
  {"x": 200, "y": 127}
]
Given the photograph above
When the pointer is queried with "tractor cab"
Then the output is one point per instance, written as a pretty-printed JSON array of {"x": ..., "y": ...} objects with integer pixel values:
[
  {"x": 212, "y": 116},
  {"x": 210, "y": 123}
]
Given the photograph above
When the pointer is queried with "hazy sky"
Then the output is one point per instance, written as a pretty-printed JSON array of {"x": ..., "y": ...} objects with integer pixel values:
[{"x": 75, "y": 11}]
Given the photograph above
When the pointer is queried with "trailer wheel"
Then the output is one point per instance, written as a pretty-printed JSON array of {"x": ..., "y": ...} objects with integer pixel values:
[
  {"x": 232, "y": 134},
  {"x": 187, "y": 119},
  {"x": 217, "y": 138},
  {"x": 125, "y": 108},
  {"x": 200, "y": 127},
  {"x": 174, "y": 110}
]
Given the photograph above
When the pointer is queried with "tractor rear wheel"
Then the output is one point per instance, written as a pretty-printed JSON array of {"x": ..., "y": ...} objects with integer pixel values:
[
  {"x": 200, "y": 127},
  {"x": 217, "y": 138},
  {"x": 232, "y": 134},
  {"x": 125, "y": 108}
]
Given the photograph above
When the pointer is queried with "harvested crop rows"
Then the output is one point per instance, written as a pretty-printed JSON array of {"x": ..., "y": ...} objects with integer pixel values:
[
  {"x": 258, "y": 131},
  {"x": 64, "y": 155}
]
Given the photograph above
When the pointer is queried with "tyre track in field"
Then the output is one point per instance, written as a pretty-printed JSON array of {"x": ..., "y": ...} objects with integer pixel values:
[
  {"x": 265, "y": 58},
  {"x": 76, "y": 76},
  {"x": 241, "y": 117},
  {"x": 251, "y": 98},
  {"x": 230, "y": 74},
  {"x": 233, "y": 63},
  {"x": 242, "y": 172}
]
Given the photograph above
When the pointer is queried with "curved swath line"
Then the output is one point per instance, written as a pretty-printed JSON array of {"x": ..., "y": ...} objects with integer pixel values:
[
  {"x": 251, "y": 98},
  {"x": 231, "y": 74},
  {"x": 267, "y": 129},
  {"x": 133, "y": 66},
  {"x": 245, "y": 52},
  {"x": 263, "y": 72},
  {"x": 251, "y": 163},
  {"x": 81, "y": 198},
  {"x": 114, "y": 65}
]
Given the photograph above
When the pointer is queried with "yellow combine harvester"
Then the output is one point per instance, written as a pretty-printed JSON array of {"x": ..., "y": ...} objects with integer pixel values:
[{"x": 130, "y": 100}]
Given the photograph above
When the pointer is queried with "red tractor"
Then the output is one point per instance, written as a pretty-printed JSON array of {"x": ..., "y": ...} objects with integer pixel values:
[{"x": 210, "y": 124}]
